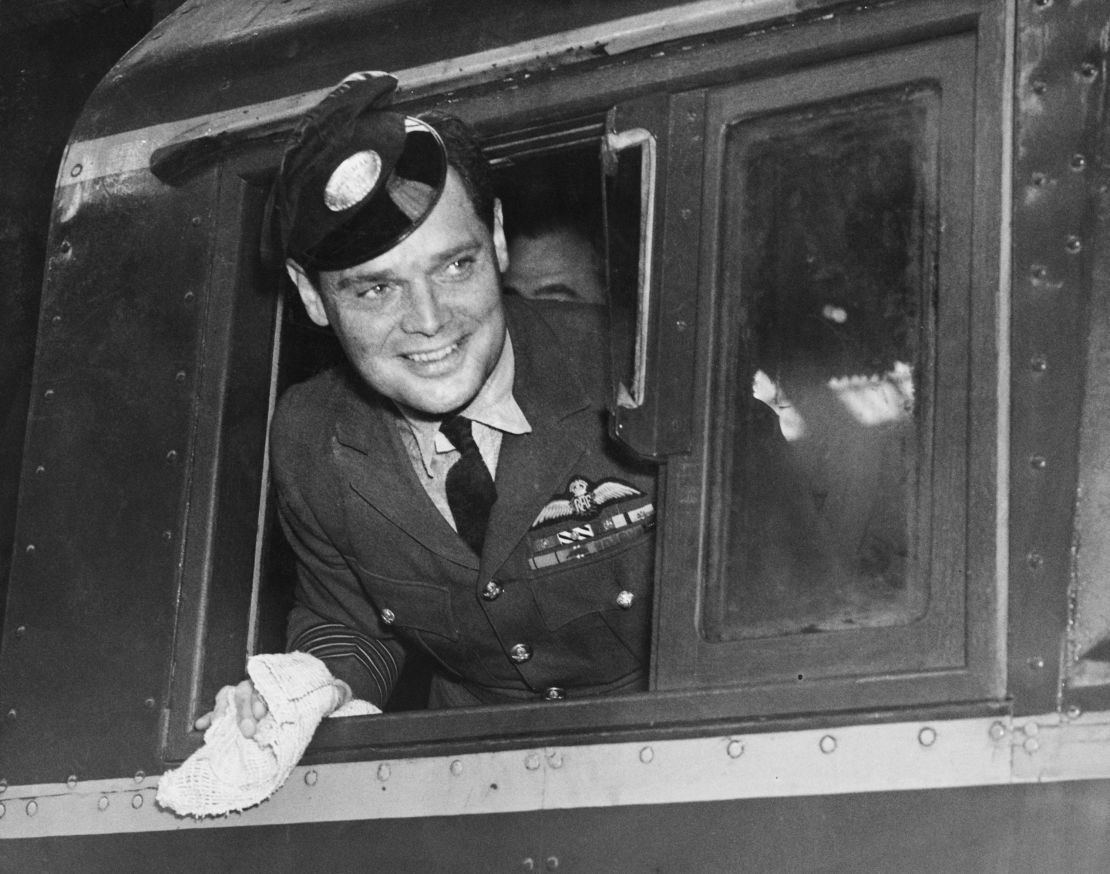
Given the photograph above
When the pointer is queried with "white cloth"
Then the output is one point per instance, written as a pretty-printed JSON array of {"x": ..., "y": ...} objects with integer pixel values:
[{"x": 231, "y": 772}]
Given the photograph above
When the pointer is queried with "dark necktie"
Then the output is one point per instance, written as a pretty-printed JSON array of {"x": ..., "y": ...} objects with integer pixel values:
[{"x": 470, "y": 489}]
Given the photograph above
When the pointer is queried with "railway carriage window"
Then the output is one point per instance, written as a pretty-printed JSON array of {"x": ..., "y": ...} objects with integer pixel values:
[
  {"x": 835, "y": 446},
  {"x": 824, "y": 408}
]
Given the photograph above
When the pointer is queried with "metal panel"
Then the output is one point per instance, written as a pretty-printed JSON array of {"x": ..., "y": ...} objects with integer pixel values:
[
  {"x": 217, "y": 56},
  {"x": 993, "y": 830},
  {"x": 1060, "y": 93},
  {"x": 92, "y": 592}
]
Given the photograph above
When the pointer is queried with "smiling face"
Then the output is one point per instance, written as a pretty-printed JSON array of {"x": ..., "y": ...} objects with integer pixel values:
[{"x": 422, "y": 324}]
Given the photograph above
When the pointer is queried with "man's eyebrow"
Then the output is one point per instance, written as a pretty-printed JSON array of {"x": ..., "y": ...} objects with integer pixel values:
[
  {"x": 466, "y": 248},
  {"x": 367, "y": 278}
]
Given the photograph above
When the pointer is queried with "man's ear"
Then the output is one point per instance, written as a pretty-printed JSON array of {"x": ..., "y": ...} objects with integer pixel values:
[
  {"x": 310, "y": 296},
  {"x": 500, "y": 247}
]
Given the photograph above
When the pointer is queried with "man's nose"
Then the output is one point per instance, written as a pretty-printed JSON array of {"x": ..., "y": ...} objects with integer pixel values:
[{"x": 424, "y": 315}]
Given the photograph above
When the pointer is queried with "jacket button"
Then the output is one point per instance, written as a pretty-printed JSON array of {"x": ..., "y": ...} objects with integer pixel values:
[
  {"x": 388, "y": 616},
  {"x": 492, "y": 591},
  {"x": 554, "y": 693},
  {"x": 520, "y": 652},
  {"x": 625, "y": 599}
]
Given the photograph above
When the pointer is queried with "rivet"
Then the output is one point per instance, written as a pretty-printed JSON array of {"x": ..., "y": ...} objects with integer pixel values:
[
  {"x": 1036, "y": 663},
  {"x": 40, "y": 469},
  {"x": 1037, "y": 462},
  {"x": 686, "y": 212},
  {"x": 136, "y": 801},
  {"x": 65, "y": 246},
  {"x": 457, "y": 768},
  {"x": 1031, "y": 745},
  {"x": 171, "y": 456},
  {"x": 3, "y": 810},
  {"x": 310, "y": 778},
  {"x": 1043, "y": 3},
  {"x": 102, "y": 803},
  {"x": 71, "y": 781},
  {"x": 1078, "y": 162},
  {"x": 179, "y": 376},
  {"x": 48, "y": 394},
  {"x": 195, "y": 221},
  {"x": 681, "y": 325},
  {"x": 1038, "y": 272},
  {"x": 32, "y": 807},
  {"x": 1040, "y": 180},
  {"x": 532, "y": 762},
  {"x": 12, "y": 714},
  {"x": 139, "y": 776},
  {"x": 1039, "y": 86},
  {"x": 1035, "y": 560},
  {"x": 30, "y": 549},
  {"x": 828, "y": 744},
  {"x": 75, "y": 170},
  {"x": 529, "y": 864},
  {"x": 383, "y": 772},
  {"x": 647, "y": 754},
  {"x": 1088, "y": 70},
  {"x": 1038, "y": 363},
  {"x": 1031, "y": 729},
  {"x": 927, "y": 736},
  {"x": 189, "y": 296},
  {"x": 552, "y": 863},
  {"x": 1073, "y": 244},
  {"x": 55, "y": 320},
  {"x": 1074, "y": 712},
  {"x": 555, "y": 758},
  {"x": 20, "y": 630},
  {"x": 998, "y": 731},
  {"x": 3, "y": 786},
  {"x": 167, "y": 535},
  {"x": 148, "y": 703},
  {"x": 735, "y": 749}
]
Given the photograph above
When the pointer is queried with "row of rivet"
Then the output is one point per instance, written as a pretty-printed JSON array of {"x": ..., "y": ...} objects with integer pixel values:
[
  {"x": 1087, "y": 72},
  {"x": 102, "y": 804}
]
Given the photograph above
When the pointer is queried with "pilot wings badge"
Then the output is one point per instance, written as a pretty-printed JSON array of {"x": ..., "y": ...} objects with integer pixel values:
[{"x": 583, "y": 500}]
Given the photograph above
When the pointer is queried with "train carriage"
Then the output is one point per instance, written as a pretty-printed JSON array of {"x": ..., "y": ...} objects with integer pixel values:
[{"x": 855, "y": 268}]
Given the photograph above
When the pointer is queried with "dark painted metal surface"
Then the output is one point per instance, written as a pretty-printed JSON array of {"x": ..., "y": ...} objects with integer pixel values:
[
  {"x": 1060, "y": 93},
  {"x": 93, "y": 585},
  {"x": 239, "y": 52},
  {"x": 1021, "y": 830}
]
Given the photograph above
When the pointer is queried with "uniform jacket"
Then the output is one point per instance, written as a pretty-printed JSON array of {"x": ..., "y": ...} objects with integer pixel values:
[{"x": 559, "y": 602}]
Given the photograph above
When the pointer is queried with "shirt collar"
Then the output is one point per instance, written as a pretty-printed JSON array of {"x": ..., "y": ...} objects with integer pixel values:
[{"x": 494, "y": 406}]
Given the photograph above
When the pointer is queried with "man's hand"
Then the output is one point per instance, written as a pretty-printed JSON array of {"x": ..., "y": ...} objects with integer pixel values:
[{"x": 249, "y": 708}]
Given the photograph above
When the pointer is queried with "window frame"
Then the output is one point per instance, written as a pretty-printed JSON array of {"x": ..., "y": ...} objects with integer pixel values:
[
  {"x": 552, "y": 99},
  {"x": 951, "y": 653}
]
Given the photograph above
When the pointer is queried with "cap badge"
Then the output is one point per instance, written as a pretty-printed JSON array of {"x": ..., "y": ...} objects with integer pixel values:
[{"x": 352, "y": 180}]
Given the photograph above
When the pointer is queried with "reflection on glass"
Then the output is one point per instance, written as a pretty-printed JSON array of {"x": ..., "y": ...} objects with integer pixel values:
[{"x": 827, "y": 240}]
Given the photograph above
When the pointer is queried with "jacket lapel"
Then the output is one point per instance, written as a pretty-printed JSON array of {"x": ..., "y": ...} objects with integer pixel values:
[
  {"x": 379, "y": 471},
  {"x": 534, "y": 467}
]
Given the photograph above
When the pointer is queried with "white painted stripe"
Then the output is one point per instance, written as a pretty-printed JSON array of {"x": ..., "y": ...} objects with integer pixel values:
[
  {"x": 845, "y": 760},
  {"x": 130, "y": 151}
]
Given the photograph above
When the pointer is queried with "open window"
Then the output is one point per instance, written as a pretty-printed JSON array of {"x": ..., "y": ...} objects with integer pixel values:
[{"x": 798, "y": 262}]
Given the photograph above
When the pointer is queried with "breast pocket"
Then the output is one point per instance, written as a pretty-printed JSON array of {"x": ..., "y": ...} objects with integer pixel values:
[{"x": 616, "y": 581}]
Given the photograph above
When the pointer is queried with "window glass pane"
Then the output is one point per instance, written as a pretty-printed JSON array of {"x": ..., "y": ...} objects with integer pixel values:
[{"x": 826, "y": 278}]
